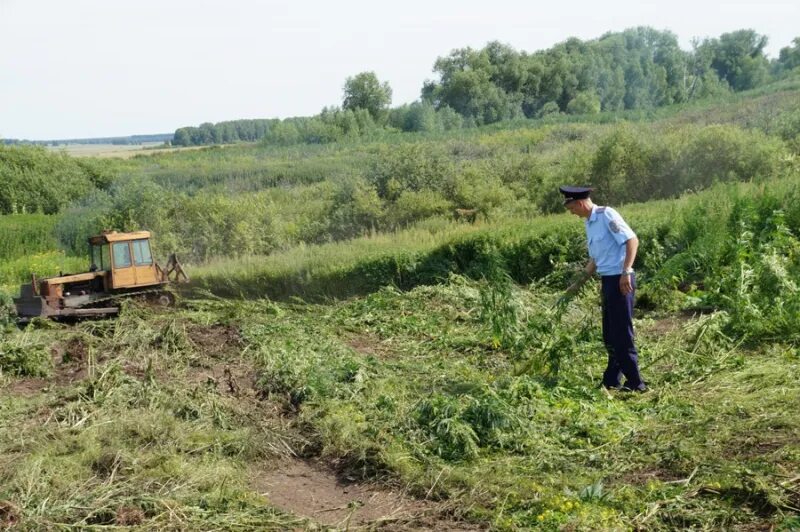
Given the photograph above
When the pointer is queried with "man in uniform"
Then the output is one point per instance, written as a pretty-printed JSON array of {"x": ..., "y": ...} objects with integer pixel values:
[{"x": 612, "y": 250}]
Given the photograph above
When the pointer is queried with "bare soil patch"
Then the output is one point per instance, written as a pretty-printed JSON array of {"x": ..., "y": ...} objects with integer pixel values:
[
  {"x": 219, "y": 364},
  {"x": 369, "y": 344},
  {"x": 758, "y": 445},
  {"x": 129, "y": 516},
  {"x": 216, "y": 340},
  {"x": 665, "y": 325},
  {"x": 310, "y": 490},
  {"x": 28, "y": 386},
  {"x": 9, "y": 515},
  {"x": 69, "y": 366},
  {"x": 229, "y": 378},
  {"x": 640, "y": 477}
]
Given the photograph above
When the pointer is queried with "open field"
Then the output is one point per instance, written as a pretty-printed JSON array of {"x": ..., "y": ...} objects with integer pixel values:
[{"x": 119, "y": 151}]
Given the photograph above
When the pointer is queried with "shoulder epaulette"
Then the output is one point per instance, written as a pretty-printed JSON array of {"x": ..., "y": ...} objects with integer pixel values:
[{"x": 601, "y": 210}]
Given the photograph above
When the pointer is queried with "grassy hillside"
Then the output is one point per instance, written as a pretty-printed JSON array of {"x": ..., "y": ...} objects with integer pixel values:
[{"x": 349, "y": 356}]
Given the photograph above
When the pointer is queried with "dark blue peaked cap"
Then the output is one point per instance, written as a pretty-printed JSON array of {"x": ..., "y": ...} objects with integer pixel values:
[{"x": 574, "y": 193}]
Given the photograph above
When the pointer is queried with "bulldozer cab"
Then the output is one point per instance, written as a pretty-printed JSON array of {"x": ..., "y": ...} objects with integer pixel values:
[{"x": 126, "y": 257}]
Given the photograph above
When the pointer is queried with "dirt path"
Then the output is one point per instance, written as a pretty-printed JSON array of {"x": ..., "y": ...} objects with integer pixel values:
[{"x": 310, "y": 490}]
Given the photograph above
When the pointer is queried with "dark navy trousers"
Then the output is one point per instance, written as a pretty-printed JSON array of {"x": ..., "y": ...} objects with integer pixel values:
[{"x": 623, "y": 359}]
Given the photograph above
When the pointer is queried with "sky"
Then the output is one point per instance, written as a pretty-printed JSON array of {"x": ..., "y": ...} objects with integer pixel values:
[{"x": 100, "y": 68}]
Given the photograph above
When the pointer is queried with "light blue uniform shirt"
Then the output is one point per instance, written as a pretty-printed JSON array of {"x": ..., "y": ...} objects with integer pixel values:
[{"x": 606, "y": 234}]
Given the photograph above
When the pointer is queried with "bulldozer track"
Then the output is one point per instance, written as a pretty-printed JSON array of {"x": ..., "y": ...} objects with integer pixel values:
[{"x": 129, "y": 295}]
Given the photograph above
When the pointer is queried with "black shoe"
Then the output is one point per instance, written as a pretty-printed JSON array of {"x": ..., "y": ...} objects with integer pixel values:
[{"x": 641, "y": 389}]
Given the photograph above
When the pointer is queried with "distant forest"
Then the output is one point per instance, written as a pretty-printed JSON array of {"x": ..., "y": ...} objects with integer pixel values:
[
  {"x": 132, "y": 139},
  {"x": 639, "y": 68}
]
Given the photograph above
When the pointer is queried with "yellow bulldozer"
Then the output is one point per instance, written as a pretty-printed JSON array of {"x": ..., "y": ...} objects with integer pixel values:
[{"x": 122, "y": 266}]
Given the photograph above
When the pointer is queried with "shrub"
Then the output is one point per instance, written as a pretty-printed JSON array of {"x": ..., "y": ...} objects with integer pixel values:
[
  {"x": 550, "y": 108},
  {"x": 37, "y": 181},
  {"x": 726, "y": 153},
  {"x": 584, "y": 103},
  {"x": 408, "y": 168},
  {"x": 414, "y": 205},
  {"x": 7, "y": 310}
]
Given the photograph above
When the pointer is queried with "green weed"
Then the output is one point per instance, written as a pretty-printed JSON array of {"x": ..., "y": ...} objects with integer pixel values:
[{"x": 23, "y": 355}]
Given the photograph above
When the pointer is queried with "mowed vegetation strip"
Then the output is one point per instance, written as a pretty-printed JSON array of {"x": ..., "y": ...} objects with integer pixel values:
[{"x": 160, "y": 419}]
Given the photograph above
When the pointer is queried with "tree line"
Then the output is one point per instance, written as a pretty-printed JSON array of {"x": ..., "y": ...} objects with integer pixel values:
[{"x": 639, "y": 68}]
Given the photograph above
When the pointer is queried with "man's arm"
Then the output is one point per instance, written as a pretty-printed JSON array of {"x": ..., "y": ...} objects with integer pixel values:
[{"x": 631, "y": 247}]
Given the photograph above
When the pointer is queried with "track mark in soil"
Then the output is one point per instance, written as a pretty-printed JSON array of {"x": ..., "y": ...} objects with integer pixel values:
[{"x": 309, "y": 490}]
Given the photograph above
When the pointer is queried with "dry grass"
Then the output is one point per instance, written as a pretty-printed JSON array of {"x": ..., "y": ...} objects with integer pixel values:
[{"x": 118, "y": 151}]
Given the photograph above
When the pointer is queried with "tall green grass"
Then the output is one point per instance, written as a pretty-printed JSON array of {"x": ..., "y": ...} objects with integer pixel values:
[
  {"x": 46, "y": 264},
  {"x": 28, "y": 245},
  {"x": 26, "y": 234},
  {"x": 327, "y": 270},
  {"x": 735, "y": 247},
  {"x": 530, "y": 250}
]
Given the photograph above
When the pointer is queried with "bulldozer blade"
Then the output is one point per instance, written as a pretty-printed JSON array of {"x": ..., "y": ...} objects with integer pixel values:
[
  {"x": 32, "y": 307},
  {"x": 28, "y": 307}
]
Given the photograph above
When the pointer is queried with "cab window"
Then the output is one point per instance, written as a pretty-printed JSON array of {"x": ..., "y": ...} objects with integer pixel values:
[
  {"x": 141, "y": 253},
  {"x": 100, "y": 257},
  {"x": 122, "y": 255}
]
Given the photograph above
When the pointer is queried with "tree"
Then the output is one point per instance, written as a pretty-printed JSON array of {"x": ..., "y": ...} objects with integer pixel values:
[
  {"x": 789, "y": 57},
  {"x": 738, "y": 58},
  {"x": 584, "y": 103},
  {"x": 182, "y": 137},
  {"x": 365, "y": 91}
]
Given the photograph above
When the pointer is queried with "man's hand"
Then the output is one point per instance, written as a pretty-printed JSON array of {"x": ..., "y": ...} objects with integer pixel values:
[
  {"x": 625, "y": 285},
  {"x": 577, "y": 284},
  {"x": 573, "y": 288}
]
